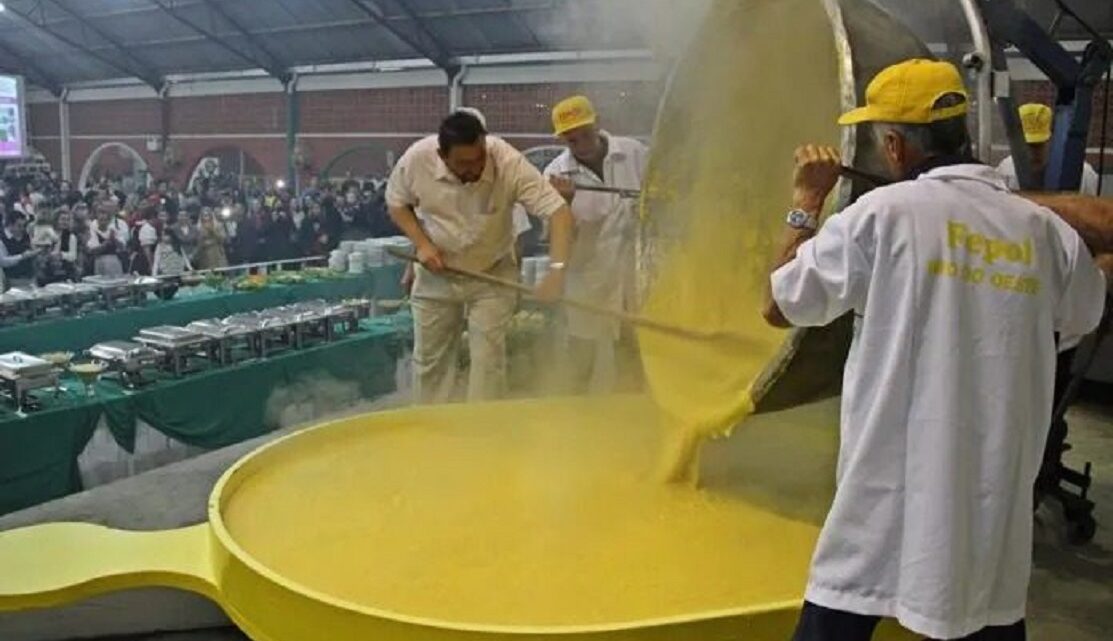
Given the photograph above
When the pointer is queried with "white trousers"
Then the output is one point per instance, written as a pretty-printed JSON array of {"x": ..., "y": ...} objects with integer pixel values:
[{"x": 443, "y": 306}]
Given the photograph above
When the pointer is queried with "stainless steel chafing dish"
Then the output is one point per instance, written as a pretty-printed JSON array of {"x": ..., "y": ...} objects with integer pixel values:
[
  {"x": 16, "y": 305},
  {"x": 162, "y": 287},
  {"x": 226, "y": 337},
  {"x": 74, "y": 296},
  {"x": 113, "y": 289},
  {"x": 22, "y": 373},
  {"x": 36, "y": 302},
  {"x": 170, "y": 337},
  {"x": 269, "y": 328},
  {"x": 127, "y": 360},
  {"x": 177, "y": 344}
]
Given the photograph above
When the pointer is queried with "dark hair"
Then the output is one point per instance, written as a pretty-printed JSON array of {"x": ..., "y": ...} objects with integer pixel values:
[
  {"x": 12, "y": 217},
  {"x": 460, "y": 128},
  {"x": 175, "y": 240}
]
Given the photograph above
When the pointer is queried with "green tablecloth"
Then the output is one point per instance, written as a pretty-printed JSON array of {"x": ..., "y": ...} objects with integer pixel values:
[
  {"x": 81, "y": 332},
  {"x": 211, "y": 409}
]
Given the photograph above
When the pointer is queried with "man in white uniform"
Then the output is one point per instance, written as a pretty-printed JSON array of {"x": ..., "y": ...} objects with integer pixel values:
[
  {"x": 1036, "y": 120},
  {"x": 958, "y": 287},
  {"x": 453, "y": 194},
  {"x": 601, "y": 268}
]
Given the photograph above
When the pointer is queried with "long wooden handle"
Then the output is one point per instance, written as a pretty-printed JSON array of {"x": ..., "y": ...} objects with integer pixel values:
[
  {"x": 849, "y": 172},
  {"x": 633, "y": 319}
]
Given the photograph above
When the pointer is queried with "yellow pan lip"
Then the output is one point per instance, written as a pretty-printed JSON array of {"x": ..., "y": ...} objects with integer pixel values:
[{"x": 219, "y": 529}]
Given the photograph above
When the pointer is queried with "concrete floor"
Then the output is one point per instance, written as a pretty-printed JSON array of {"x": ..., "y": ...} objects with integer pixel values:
[{"x": 1071, "y": 597}]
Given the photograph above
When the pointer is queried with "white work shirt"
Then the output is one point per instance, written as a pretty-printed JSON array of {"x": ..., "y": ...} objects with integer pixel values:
[
  {"x": 1089, "y": 186},
  {"x": 95, "y": 234},
  {"x": 601, "y": 265},
  {"x": 472, "y": 224},
  {"x": 148, "y": 235},
  {"x": 957, "y": 287}
]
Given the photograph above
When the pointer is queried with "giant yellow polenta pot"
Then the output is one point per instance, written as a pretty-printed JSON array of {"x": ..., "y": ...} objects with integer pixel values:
[
  {"x": 533, "y": 519},
  {"x": 547, "y": 519}
]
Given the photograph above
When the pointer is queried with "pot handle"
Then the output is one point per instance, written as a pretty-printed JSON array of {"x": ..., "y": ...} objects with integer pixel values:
[{"x": 49, "y": 565}]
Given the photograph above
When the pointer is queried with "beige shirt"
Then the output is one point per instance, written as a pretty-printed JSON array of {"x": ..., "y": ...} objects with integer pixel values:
[{"x": 472, "y": 224}]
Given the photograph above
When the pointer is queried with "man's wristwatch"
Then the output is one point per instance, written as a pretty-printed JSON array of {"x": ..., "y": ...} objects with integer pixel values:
[{"x": 800, "y": 219}]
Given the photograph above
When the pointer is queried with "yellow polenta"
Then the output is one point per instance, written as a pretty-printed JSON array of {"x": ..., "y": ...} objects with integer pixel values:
[
  {"x": 749, "y": 91},
  {"x": 538, "y": 513}
]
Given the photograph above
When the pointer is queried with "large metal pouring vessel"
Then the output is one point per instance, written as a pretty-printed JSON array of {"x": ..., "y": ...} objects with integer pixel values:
[{"x": 54, "y": 564}]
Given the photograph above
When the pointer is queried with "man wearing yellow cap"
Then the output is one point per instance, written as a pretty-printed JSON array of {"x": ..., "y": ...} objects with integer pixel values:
[
  {"x": 1036, "y": 120},
  {"x": 957, "y": 288},
  {"x": 601, "y": 267}
]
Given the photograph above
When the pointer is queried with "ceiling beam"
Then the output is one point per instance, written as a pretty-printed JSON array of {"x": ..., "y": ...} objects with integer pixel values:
[
  {"x": 417, "y": 37},
  {"x": 129, "y": 67},
  {"x": 141, "y": 69},
  {"x": 35, "y": 73},
  {"x": 265, "y": 61}
]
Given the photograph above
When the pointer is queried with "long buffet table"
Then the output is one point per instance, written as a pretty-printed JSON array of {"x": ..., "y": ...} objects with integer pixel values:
[
  {"x": 39, "y": 450},
  {"x": 80, "y": 332}
]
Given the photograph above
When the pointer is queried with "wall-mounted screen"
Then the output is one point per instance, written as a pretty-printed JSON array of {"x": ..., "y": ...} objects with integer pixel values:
[{"x": 13, "y": 118}]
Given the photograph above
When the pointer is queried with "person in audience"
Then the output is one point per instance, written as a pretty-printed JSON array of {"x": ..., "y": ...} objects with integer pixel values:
[
  {"x": 16, "y": 254},
  {"x": 43, "y": 235},
  {"x": 280, "y": 236},
  {"x": 148, "y": 235},
  {"x": 186, "y": 229},
  {"x": 211, "y": 240},
  {"x": 69, "y": 246},
  {"x": 170, "y": 259},
  {"x": 251, "y": 236},
  {"x": 107, "y": 242},
  {"x": 352, "y": 215}
]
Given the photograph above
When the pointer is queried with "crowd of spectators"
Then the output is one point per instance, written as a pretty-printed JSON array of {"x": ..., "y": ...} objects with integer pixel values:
[{"x": 53, "y": 232}]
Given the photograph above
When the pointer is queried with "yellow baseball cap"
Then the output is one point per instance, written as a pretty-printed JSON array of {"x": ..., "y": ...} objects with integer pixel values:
[
  {"x": 573, "y": 113},
  {"x": 1036, "y": 120},
  {"x": 906, "y": 93}
]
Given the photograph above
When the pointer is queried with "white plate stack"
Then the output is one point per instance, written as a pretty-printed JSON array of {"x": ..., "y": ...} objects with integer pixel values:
[
  {"x": 540, "y": 269},
  {"x": 338, "y": 260},
  {"x": 375, "y": 251},
  {"x": 357, "y": 262},
  {"x": 529, "y": 271}
]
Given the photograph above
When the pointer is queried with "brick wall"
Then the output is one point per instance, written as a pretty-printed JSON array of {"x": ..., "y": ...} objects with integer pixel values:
[
  {"x": 363, "y": 128},
  {"x": 366, "y": 127},
  {"x": 416, "y": 109},
  {"x": 625, "y": 108}
]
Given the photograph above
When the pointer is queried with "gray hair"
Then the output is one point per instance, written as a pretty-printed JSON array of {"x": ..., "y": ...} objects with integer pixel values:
[
  {"x": 949, "y": 137},
  {"x": 942, "y": 138}
]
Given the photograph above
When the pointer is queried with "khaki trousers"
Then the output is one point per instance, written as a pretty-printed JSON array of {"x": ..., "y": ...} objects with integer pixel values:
[{"x": 443, "y": 306}]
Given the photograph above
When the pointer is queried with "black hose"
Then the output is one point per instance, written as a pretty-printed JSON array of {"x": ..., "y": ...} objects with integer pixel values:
[{"x": 1104, "y": 133}]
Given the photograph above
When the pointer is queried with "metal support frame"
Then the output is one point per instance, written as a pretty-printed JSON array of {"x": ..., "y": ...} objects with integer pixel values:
[
  {"x": 261, "y": 58},
  {"x": 1075, "y": 81},
  {"x": 64, "y": 134},
  {"x": 128, "y": 63},
  {"x": 293, "y": 124},
  {"x": 34, "y": 72},
  {"x": 417, "y": 37}
]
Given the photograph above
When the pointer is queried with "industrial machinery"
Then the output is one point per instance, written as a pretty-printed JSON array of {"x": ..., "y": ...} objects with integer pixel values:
[{"x": 998, "y": 25}]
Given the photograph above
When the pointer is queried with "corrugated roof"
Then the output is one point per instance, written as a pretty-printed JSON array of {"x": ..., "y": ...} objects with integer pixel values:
[{"x": 60, "y": 42}]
